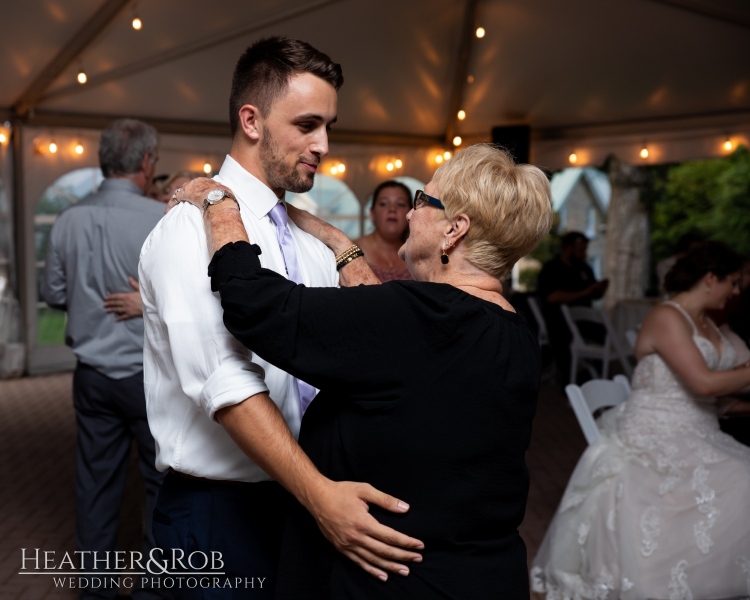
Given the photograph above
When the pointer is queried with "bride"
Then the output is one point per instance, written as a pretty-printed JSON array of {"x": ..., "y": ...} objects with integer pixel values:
[{"x": 659, "y": 506}]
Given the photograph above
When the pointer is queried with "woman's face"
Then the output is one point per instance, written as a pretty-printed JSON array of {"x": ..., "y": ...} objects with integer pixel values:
[
  {"x": 427, "y": 226},
  {"x": 723, "y": 289},
  {"x": 389, "y": 212}
]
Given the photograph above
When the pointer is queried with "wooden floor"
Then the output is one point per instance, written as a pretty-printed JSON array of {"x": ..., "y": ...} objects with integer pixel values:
[{"x": 37, "y": 445}]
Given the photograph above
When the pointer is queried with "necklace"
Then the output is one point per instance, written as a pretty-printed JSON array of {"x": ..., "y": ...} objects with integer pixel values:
[{"x": 702, "y": 323}]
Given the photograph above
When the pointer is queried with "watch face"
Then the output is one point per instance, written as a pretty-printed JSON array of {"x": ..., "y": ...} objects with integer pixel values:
[{"x": 215, "y": 195}]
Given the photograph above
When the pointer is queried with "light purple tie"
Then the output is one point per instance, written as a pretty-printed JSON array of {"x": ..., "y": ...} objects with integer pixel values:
[{"x": 279, "y": 217}]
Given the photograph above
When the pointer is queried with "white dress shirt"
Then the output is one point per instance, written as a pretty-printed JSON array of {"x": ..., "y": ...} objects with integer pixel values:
[{"x": 192, "y": 365}]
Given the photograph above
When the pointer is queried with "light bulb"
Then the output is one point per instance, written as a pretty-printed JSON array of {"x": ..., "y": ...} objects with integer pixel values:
[
  {"x": 389, "y": 166},
  {"x": 399, "y": 163},
  {"x": 342, "y": 167},
  {"x": 447, "y": 155},
  {"x": 573, "y": 158},
  {"x": 644, "y": 152},
  {"x": 334, "y": 170},
  {"x": 79, "y": 148},
  {"x": 480, "y": 32},
  {"x": 52, "y": 147},
  {"x": 3, "y": 138},
  {"x": 461, "y": 115},
  {"x": 439, "y": 158},
  {"x": 137, "y": 23},
  {"x": 82, "y": 77},
  {"x": 207, "y": 168},
  {"x": 457, "y": 140},
  {"x": 728, "y": 145}
]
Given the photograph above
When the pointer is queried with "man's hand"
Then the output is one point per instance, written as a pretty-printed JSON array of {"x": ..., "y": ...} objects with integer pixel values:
[
  {"x": 127, "y": 305},
  {"x": 342, "y": 513}
]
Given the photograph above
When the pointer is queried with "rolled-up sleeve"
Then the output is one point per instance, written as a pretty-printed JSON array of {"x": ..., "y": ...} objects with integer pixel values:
[{"x": 184, "y": 326}]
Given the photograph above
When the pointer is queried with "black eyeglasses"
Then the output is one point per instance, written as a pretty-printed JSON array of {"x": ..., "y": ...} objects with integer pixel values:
[{"x": 420, "y": 199}]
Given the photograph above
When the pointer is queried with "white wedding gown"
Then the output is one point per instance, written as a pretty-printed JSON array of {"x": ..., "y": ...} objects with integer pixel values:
[{"x": 659, "y": 506}]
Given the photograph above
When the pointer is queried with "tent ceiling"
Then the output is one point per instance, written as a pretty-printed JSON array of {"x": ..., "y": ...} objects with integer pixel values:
[{"x": 550, "y": 64}]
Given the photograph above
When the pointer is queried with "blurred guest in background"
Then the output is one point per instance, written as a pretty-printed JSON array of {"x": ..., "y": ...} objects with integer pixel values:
[
  {"x": 568, "y": 279},
  {"x": 391, "y": 201},
  {"x": 93, "y": 248},
  {"x": 174, "y": 181},
  {"x": 684, "y": 244}
]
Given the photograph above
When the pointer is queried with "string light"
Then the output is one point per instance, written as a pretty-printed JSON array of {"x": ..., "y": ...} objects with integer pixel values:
[
  {"x": 398, "y": 163},
  {"x": 480, "y": 32},
  {"x": 461, "y": 115},
  {"x": 457, "y": 140},
  {"x": 137, "y": 23},
  {"x": 644, "y": 152},
  {"x": 439, "y": 158},
  {"x": 82, "y": 77},
  {"x": 338, "y": 169},
  {"x": 52, "y": 147},
  {"x": 3, "y": 137},
  {"x": 728, "y": 145},
  {"x": 207, "y": 168},
  {"x": 573, "y": 158},
  {"x": 447, "y": 155},
  {"x": 78, "y": 148},
  {"x": 389, "y": 167}
]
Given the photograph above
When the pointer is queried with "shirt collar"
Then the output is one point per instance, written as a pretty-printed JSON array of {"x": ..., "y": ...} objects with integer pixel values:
[
  {"x": 251, "y": 193},
  {"x": 119, "y": 183}
]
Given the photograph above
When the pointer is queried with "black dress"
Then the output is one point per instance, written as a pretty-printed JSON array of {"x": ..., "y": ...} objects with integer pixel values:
[{"x": 428, "y": 394}]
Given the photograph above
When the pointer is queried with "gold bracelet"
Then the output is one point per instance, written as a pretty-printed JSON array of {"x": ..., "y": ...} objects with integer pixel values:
[{"x": 348, "y": 256}]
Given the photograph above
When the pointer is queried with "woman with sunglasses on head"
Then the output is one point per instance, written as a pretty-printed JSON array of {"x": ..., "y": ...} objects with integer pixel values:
[{"x": 428, "y": 387}]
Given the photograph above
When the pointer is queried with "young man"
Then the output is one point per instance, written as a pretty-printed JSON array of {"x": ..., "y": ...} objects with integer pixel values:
[{"x": 212, "y": 404}]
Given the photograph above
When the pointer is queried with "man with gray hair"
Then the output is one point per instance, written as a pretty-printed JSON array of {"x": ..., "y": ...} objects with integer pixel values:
[{"x": 92, "y": 252}]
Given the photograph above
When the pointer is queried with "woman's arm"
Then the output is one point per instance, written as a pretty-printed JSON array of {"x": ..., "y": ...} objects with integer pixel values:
[
  {"x": 357, "y": 272},
  {"x": 668, "y": 333}
]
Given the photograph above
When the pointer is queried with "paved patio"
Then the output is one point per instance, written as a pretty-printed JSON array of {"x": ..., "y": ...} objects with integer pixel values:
[{"x": 37, "y": 444}]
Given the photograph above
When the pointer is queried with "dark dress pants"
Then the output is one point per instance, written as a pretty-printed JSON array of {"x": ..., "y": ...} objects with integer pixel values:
[
  {"x": 110, "y": 414},
  {"x": 241, "y": 521}
]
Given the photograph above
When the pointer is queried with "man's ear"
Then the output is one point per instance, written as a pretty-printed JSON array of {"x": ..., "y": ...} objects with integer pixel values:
[
  {"x": 250, "y": 119},
  {"x": 148, "y": 159}
]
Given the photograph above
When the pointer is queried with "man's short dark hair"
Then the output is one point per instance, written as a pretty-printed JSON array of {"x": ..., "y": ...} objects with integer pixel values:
[
  {"x": 263, "y": 72},
  {"x": 123, "y": 146},
  {"x": 572, "y": 237}
]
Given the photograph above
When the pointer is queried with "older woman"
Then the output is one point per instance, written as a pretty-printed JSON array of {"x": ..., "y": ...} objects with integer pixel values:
[{"x": 428, "y": 388}]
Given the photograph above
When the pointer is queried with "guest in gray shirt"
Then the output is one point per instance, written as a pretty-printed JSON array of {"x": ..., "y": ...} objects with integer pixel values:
[{"x": 92, "y": 258}]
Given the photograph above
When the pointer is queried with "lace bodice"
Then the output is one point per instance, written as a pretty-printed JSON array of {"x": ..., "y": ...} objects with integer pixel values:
[{"x": 661, "y": 404}]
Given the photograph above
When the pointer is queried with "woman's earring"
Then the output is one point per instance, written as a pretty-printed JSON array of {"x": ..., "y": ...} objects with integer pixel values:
[{"x": 444, "y": 257}]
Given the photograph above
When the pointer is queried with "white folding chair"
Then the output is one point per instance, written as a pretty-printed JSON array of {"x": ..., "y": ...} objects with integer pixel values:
[
  {"x": 592, "y": 396},
  {"x": 542, "y": 335},
  {"x": 582, "y": 350},
  {"x": 631, "y": 335}
]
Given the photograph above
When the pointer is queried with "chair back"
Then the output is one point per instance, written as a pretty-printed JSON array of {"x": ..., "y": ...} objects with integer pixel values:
[
  {"x": 541, "y": 325},
  {"x": 631, "y": 335},
  {"x": 580, "y": 347},
  {"x": 590, "y": 397}
]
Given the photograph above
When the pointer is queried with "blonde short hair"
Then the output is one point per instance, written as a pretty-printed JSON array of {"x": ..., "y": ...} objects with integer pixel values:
[{"x": 509, "y": 205}]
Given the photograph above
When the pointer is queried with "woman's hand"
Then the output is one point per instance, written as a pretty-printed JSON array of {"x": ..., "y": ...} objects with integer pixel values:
[
  {"x": 334, "y": 238},
  {"x": 194, "y": 192}
]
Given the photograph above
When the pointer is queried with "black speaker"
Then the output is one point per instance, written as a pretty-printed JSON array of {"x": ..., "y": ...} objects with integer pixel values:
[{"x": 516, "y": 139}]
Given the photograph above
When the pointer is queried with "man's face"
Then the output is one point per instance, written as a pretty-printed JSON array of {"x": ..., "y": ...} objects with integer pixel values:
[
  {"x": 294, "y": 136},
  {"x": 579, "y": 249}
]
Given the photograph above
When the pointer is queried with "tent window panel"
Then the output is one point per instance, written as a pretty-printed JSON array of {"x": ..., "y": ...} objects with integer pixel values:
[{"x": 64, "y": 192}]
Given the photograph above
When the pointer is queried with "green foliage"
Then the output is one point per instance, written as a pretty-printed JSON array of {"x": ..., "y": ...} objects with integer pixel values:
[
  {"x": 547, "y": 248},
  {"x": 711, "y": 197},
  {"x": 527, "y": 279}
]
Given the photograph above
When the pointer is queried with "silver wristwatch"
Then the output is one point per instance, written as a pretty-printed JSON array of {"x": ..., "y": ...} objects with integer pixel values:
[{"x": 218, "y": 195}]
